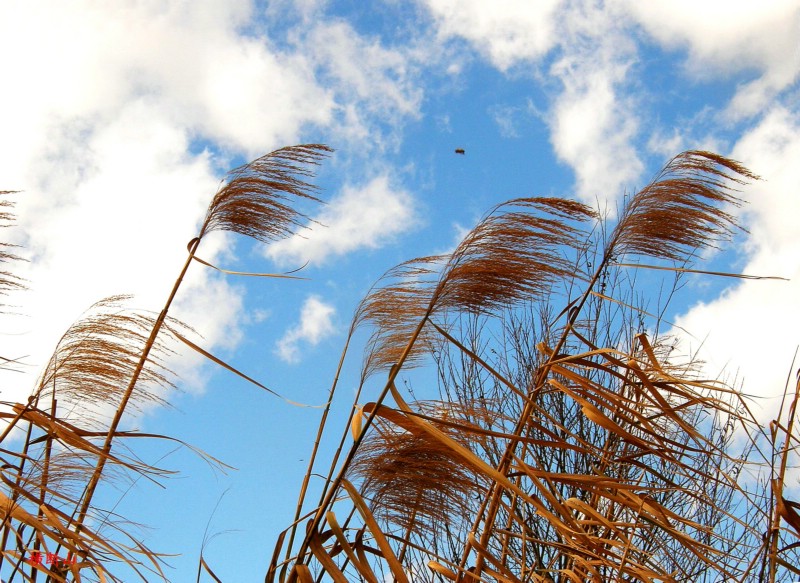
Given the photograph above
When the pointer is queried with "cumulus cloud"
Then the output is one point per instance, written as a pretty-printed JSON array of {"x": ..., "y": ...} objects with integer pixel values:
[
  {"x": 593, "y": 127},
  {"x": 114, "y": 219},
  {"x": 753, "y": 327},
  {"x": 590, "y": 48},
  {"x": 121, "y": 119},
  {"x": 723, "y": 38},
  {"x": 190, "y": 59},
  {"x": 377, "y": 77},
  {"x": 316, "y": 324},
  {"x": 593, "y": 121},
  {"x": 365, "y": 216},
  {"x": 506, "y": 31}
]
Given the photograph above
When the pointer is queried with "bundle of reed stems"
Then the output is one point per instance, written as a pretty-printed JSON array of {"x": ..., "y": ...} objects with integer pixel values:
[{"x": 568, "y": 440}]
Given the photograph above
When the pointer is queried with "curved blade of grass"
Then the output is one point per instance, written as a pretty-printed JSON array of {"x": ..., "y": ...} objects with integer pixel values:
[
  {"x": 229, "y": 272},
  {"x": 239, "y": 373}
]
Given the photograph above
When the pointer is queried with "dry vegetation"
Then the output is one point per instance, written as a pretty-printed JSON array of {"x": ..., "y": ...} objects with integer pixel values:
[{"x": 570, "y": 440}]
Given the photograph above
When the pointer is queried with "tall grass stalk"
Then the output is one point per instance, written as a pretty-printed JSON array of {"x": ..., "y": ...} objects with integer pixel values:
[{"x": 569, "y": 442}]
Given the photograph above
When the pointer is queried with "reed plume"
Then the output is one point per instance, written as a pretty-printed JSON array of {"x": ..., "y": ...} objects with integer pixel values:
[
  {"x": 568, "y": 445},
  {"x": 109, "y": 363},
  {"x": 252, "y": 203}
]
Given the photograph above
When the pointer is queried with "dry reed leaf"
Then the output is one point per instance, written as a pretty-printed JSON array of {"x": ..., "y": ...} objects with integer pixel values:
[
  {"x": 505, "y": 574},
  {"x": 355, "y": 423},
  {"x": 386, "y": 550},
  {"x": 245, "y": 273},
  {"x": 239, "y": 373},
  {"x": 442, "y": 570},
  {"x": 10, "y": 508},
  {"x": 698, "y": 271},
  {"x": 463, "y": 429},
  {"x": 786, "y": 509},
  {"x": 208, "y": 570},
  {"x": 362, "y": 567},
  {"x": 362, "y": 549},
  {"x": 301, "y": 574},
  {"x": 328, "y": 564},
  {"x": 68, "y": 434}
]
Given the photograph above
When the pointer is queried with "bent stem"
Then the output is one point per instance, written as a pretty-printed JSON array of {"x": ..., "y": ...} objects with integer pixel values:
[
  {"x": 112, "y": 429},
  {"x": 492, "y": 499},
  {"x": 334, "y": 487},
  {"x": 306, "y": 479},
  {"x": 777, "y": 485}
]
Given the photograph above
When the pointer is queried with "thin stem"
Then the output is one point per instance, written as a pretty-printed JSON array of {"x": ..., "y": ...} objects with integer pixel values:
[
  {"x": 492, "y": 499},
  {"x": 395, "y": 370},
  {"x": 320, "y": 430},
  {"x": 101, "y": 462},
  {"x": 777, "y": 488}
]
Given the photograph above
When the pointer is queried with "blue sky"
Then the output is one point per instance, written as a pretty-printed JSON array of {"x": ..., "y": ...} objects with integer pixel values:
[{"x": 118, "y": 121}]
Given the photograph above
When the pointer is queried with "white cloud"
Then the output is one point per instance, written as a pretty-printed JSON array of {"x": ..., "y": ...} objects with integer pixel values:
[
  {"x": 366, "y": 216},
  {"x": 112, "y": 213},
  {"x": 667, "y": 144},
  {"x": 108, "y": 108},
  {"x": 506, "y": 31},
  {"x": 592, "y": 130},
  {"x": 83, "y": 59},
  {"x": 593, "y": 122},
  {"x": 754, "y": 327},
  {"x": 316, "y": 324},
  {"x": 504, "y": 117},
  {"x": 372, "y": 83},
  {"x": 724, "y": 37}
]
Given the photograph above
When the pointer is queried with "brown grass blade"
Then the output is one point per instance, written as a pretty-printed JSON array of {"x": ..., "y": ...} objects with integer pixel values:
[
  {"x": 301, "y": 574},
  {"x": 363, "y": 567},
  {"x": 699, "y": 271},
  {"x": 504, "y": 573},
  {"x": 208, "y": 570},
  {"x": 396, "y": 568},
  {"x": 239, "y": 373},
  {"x": 245, "y": 273},
  {"x": 328, "y": 564},
  {"x": 68, "y": 434},
  {"x": 442, "y": 570}
]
